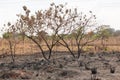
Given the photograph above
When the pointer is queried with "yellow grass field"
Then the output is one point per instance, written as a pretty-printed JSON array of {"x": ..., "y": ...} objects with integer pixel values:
[{"x": 113, "y": 44}]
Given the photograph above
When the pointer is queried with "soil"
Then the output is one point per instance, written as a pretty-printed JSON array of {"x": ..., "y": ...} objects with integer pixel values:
[{"x": 62, "y": 66}]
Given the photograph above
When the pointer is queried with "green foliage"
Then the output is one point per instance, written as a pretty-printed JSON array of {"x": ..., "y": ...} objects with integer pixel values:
[
  {"x": 7, "y": 35},
  {"x": 104, "y": 32}
]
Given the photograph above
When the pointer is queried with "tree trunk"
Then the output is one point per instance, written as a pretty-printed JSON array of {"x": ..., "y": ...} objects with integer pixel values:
[
  {"x": 79, "y": 50},
  {"x": 43, "y": 53},
  {"x": 11, "y": 51}
]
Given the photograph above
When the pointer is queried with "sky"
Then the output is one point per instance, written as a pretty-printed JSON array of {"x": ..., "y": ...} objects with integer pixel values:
[{"x": 106, "y": 11}]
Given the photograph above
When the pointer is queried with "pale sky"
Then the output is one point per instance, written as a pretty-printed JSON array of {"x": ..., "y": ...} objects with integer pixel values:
[{"x": 107, "y": 11}]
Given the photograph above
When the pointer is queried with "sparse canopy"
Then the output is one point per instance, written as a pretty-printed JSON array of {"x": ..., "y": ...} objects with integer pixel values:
[{"x": 59, "y": 21}]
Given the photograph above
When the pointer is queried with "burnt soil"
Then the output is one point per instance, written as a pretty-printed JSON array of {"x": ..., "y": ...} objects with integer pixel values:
[{"x": 62, "y": 66}]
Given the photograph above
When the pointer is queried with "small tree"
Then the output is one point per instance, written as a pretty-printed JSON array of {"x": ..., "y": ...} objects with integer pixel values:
[
  {"x": 59, "y": 19},
  {"x": 104, "y": 33},
  {"x": 117, "y": 33},
  {"x": 60, "y": 22},
  {"x": 11, "y": 37},
  {"x": 35, "y": 27},
  {"x": 66, "y": 21}
]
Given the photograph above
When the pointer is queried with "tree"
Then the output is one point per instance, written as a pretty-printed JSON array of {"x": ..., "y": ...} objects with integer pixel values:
[
  {"x": 58, "y": 19},
  {"x": 111, "y": 31},
  {"x": 104, "y": 33},
  {"x": 11, "y": 37},
  {"x": 66, "y": 21},
  {"x": 117, "y": 33},
  {"x": 35, "y": 28},
  {"x": 60, "y": 22}
]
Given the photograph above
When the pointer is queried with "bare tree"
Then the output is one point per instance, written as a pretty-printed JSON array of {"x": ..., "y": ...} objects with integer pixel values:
[
  {"x": 31, "y": 26},
  {"x": 11, "y": 37},
  {"x": 67, "y": 21},
  {"x": 84, "y": 30},
  {"x": 58, "y": 21},
  {"x": 35, "y": 27}
]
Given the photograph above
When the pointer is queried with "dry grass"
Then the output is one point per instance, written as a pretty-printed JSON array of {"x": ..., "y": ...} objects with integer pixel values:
[{"x": 113, "y": 44}]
